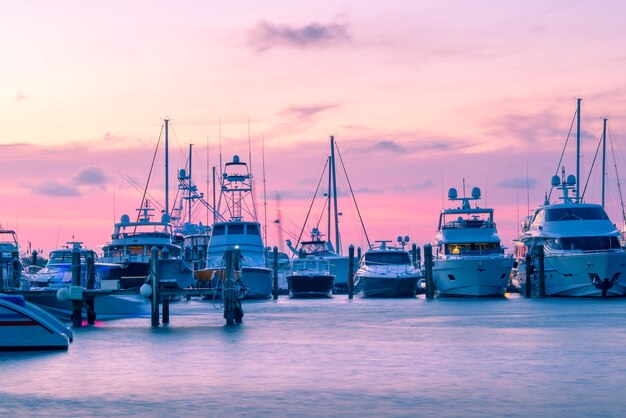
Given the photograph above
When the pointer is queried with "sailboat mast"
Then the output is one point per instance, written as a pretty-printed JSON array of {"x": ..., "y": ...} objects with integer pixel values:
[
  {"x": 578, "y": 100},
  {"x": 603, "y": 157},
  {"x": 329, "y": 194},
  {"x": 332, "y": 156},
  {"x": 167, "y": 185},
  {"x": 189, "y": 175},
  {"x": 214, "y": 207}
]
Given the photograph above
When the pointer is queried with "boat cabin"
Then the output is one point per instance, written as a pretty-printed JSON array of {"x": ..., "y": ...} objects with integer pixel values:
[{"x": 394, "y": 257}]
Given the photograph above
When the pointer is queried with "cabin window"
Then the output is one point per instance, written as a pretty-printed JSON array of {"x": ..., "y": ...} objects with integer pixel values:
[
  {"x": 474, "y": 248},
  {"x": 135, "y": 250},
  {"x": 590, "y": 243},
  {"x": 235, "y": 229},
  {"x": 592, "y": 213},
  {"x": 219, "y": 230},
  {"x": 387, "y": 258},
  {"x": 253, "y": 229}
]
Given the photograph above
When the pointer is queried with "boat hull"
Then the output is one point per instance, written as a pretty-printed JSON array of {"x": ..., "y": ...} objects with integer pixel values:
[
  {"x": 23, "y": 327},
  {"x": 387, "y": 286},
  {"x": 258, "y": 282},
  {"x": 303, "y": 285},
  {"x": 472, "y": 276},
  {"x": 583, "y": 275}
]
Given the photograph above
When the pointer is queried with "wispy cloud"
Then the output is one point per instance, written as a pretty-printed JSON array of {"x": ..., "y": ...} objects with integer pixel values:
[
  {"x": 20, "y": 97},
  {"x": 306, "y": 112},
  {"x": 268, "y": 35},
  {"x": 90, "y": 176},
  {"x": 54, "y": 188}
]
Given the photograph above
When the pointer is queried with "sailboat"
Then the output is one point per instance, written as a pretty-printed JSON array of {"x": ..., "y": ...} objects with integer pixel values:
[
  {"x": 319, "y": 247},
  {"x": 231, "y": 230}
]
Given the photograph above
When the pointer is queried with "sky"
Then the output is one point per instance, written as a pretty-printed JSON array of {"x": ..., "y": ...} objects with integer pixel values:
[{"x": 419, "y": 95}]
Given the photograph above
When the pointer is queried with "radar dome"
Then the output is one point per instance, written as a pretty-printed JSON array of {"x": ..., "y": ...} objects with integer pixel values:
[
  {"x": 236, "y": 159},
  {"x": 165, "y": 218},
  {"x": 556, "y": 181},
  {"x": 399, "y": 238},
  {"x": 476, "y": 193},
  {"x": 452, "y": 194},
  {"x": 182, "y": 173},
  {"x": 571, "y": 179},
  {"x": 406, "y": 238},
  {"x": 125, "y": 219}
]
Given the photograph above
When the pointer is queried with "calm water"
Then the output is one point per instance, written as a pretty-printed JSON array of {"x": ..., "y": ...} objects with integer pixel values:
[{"x": 335, "y": 357}]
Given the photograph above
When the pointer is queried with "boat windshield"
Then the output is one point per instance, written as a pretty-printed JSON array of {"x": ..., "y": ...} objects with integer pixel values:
[
  {"x": 375, "y": 258},
  {"x": 474, "y": 248},
  {"x": 585, "y": 213},
  {"x": 584, "y": 243}
]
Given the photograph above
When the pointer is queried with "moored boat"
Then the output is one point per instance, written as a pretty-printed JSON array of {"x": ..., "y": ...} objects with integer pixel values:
[
  {"x": 469, "y": 258},
  {"x": 387, "y": 272},
  {"x": 310, "y": 277}
]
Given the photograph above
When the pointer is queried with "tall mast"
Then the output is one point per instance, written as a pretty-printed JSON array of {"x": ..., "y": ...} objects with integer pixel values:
[
  {"x": 332, "y": 156},
  {"x": 214, "y": 207},
  {"x": 330, "y": 179},
  {"x": 578, "y": 100},
  {"x": 189, "y": 175},
  {"x": 603, "y": 157},
  {"x": 167, "y": 185}
]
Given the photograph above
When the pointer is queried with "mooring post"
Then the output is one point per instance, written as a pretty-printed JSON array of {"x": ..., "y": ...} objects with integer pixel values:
[
  {"x": 350, "y": 271},
  {"x": 154, "y": 282},
  {"x": 529, "y": 273},
  {"x": 428, "y": 264},
  {"x": 541, "y": 292},
  {"x": 358, "y": 254},
  {"x": 275, "y": 265},
  {"x": 91, "y": 284},
  {"x": 414, "y": 254},
  {"x": 165, "y": 316},
  {"x": 1, "y": 272},
  {"x": 77, "y": 304},
  {"x": 15, "y": 270}
]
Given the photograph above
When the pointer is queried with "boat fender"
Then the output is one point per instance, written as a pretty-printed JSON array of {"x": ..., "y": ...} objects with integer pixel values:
[
  {"x": 145, "y": 290},
  {"x": 63, "y": 294}
]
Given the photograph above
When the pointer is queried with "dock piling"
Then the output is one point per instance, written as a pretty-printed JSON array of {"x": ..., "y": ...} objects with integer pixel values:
[
  {"x": 154, "y": 282},
  {"x": 77, "y": 304},
  {"x": 90, "y": 272},
  {"x": 428, "y": 264},
  {"x": 275, "y": 265},
  {"x": 1, "y": 272},
  {"x": 541, "y": 292},
  {"x": 15, "y": 270},
  {"x": 351, "y": 271},
  {"x": 529, "y": 273}
]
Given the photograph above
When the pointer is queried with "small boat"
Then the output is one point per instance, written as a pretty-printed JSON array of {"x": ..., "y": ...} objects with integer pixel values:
[
  {"x": 469, "y": 258},
  {"x": 24, "y": 326},
  {"x": 310, "y": 277},
  {"x": 387, "y": 272},
  {"x": 11, "y": 265}
]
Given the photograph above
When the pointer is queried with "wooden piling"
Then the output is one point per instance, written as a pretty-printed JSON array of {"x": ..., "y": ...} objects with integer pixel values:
[
  {"x": 15, "y": 270},
  {"x": 91, "y": 284},
  {"x": 154, "y": 282},
  {"x": 428, "y": 264},
  {"x": 414, "y": 254},
  {"x": 77, "y": 304},
  {"x": 166, "y": 310},
  {"x": 529, "y": 273},
  {"x": 1, "y": 272},
  {"x": 358, "y": 254},
  {"x": 541, "y": 292},
  {"x": 351, "y": 271},
  {"x": 275, "y": 265}
]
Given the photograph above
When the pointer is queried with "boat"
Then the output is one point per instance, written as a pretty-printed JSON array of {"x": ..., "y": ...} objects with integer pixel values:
[
  {"x": 57, "y": 274},
  {"x": 230, "y": 230},
  {"x": 386, "y": 271},
  {"x": 310, "y": 277},
  {"x": 12, "y": 271},
  {"x": 469, "y": 259},
  {"x": 131, "y": 244},
  {"x": 318, "y": 247},
  {"x": 24, "y": 326},
  {"x": 582, "y": 251}
]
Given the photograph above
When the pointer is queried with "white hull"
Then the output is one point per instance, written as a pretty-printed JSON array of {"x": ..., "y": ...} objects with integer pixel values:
[
  {"x": 259, "y": 282},
  {"x": 472, "y": 275},
  {"x": 573, "y": 274}
]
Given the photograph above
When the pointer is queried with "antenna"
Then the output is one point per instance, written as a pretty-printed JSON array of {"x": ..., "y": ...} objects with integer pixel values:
[
  {"x": 207, "y": 178},
  {"x": 264, "y": 188},
  {"x": 578, "y": 100},
  {"x": 220, "y": 136}
]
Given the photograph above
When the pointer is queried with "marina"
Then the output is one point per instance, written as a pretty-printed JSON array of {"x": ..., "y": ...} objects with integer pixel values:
[{"x": 337, "y": 357}]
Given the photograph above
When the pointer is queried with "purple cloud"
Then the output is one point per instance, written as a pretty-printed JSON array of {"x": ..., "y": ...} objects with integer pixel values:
[
  {"x": 54, "y": 188},
  {"x": 268, "y": 35}
]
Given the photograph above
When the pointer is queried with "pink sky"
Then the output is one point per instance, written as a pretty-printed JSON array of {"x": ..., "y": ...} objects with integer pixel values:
[{"x": 419, "y": 97}]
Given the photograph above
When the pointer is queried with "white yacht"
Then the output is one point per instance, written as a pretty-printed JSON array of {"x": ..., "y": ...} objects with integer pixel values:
[
  {"x": 13, "y": 274},
  {"x": 469, "y": 259},
  {"x": 232, "y": 231},
  {"x": 387, "y": 272},
  {"x": 582, "y": 251}
]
